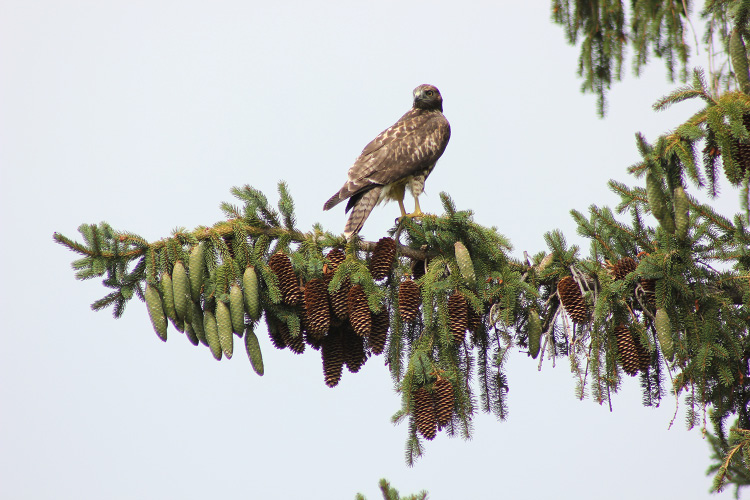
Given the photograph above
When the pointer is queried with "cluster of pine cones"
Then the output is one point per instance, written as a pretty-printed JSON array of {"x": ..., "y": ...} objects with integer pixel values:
[
  {"x": 339, "y": 324},
  {"x": 433, "y": 408},
  {"x": 461, "y": 316},
  {"x": 634, "y": 356}
]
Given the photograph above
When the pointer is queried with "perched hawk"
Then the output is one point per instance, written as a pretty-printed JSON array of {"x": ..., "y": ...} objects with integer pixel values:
[{"x": 400, "y": 156}]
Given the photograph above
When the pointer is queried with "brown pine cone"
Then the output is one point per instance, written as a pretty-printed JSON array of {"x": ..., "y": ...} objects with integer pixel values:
[
  {"x": 649, "y": 289},
  {"x": 332, "y": 354},
  {"x": 275, "y": 334},
  {"x": 288, "y": 283},
  {"x": 408, "y": 300},
  {"x": 417, "y": 269},
  {"x": 443, "y": 401},
  {"x": 627, "y": 350},
  {"x": 424, "y": 413},
  {"x": 572, "y": 300},
  {"x": 457, "y": 316},
  {"x": 623, "y": 267},
  {"x": 359, "y": 311},
  {"x": 338, "y": 299},
  {"x": 379, "y": 332},
  {"x": 318, "y": 312},
  {"x": 295, "y": 344},
  {"x": 354, "y": 350},
  {"x": 382, "y": 259}
]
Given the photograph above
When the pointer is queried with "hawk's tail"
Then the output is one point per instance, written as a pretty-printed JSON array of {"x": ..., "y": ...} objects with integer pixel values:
[{"x": 361, "y": 210}]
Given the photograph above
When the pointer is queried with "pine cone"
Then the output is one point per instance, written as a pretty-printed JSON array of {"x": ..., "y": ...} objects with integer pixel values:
[
  {"x": 623, "y": 267},
  {"x": 295, "y": 344},
  {"x": 379, "y": 332},
  {"x": 383, "y": 255},
  {"x": 282, "y": 268},
  {"x": 333, "y": 358},
  {"x": 742, "y": 151},
  {"x": 359, "y": 311},
  {"x": 572, "y": 300},
  {"x": 335, "y": 257},
  {"x": 317, "y": 310},
  {"x": 313, "y": 341},
  {"x": 408, "y": 300},
  {"x": 627, "y": 349},
  {"x": 354, "y": 350},
  {"x": 649, "y": 289},
  {"x": 417, "y": 269},
  {"x": 473, "y": 320},
  {"x": 443, "y": 401},
  {"x": 457, "y": 316},
  {"x": 424, "y": 413},
  {"x": 275, "y": 334},
  {"x": 338, "y": 298}
]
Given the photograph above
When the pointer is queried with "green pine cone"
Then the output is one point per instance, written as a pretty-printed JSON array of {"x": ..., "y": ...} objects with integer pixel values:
[
  {"x": 658, "y": 203},
  {"x": 181, "y": 290},
  {"x": 212, "y": 333},
  {"x": 464, "y": 263},
  {"x": 168, "y": 293},
  {"x": 656, "y": 200},
  {"x": 664, "y": 333},
  {"x": 156, "y": 312},
  {"x": 237, "y": 309},
  {"x": 197, "y": 266},
  {"x": 252, "y": 346},
  {"x": 535, "y": 333},
  {"x": 190, "y": 334},
  {"x": 224, "y": 324},
  {"x": 197, "y": 323},
  {"x": 738, "y": 54},
  {"x": 250, "y": 285},
  {"x": 681, "y": 215}
]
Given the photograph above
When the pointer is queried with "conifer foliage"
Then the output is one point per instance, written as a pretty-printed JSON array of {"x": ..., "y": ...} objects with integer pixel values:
[{"x": 664, "y": 297}]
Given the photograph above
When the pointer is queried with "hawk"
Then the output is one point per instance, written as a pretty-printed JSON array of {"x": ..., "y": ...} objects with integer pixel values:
[{"x": 401, "y": 156}]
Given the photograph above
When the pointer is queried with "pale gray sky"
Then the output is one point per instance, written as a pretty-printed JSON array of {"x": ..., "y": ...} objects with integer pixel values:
[{"x": 145, "y": 113}]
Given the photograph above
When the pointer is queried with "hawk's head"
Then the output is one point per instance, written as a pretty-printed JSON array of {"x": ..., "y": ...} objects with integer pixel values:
[{"x": 428, "y": 97}]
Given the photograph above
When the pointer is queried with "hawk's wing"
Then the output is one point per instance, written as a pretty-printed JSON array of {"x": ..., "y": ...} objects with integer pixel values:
[{"x": 414, "y": 143}]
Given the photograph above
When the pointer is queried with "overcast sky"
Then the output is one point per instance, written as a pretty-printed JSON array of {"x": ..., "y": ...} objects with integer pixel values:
[{"x": 145, "y": 113}]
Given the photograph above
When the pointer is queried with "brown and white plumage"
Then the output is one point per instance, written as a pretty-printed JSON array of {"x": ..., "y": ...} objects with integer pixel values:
[{"x": 401, "y": 156}]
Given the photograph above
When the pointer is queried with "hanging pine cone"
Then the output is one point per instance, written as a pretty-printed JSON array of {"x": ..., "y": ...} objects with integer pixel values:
[
  {"x": 457, "y": 316},
  {"x": 408, "y": 300},
  {"x": 379, "y": 332},
  {"x": 473, "y": 320},
  {"x": 742, "y": 151},
  {"x": 333, "y": 358},
  {"x": 359, "y": 311},
  {"x": 354, "y": 350},
  {"x": 313, "y": 341},
  {"x": 282, "y": 268},
  {"x": 623, "y": 267},
  {"x": 443, "y": 401},
  {"x": 335, "y": 257},
  {"x": 275, "y": 334},
  {"x": 424, "y": 413},
  {"x": 649, "y": 289},
  {"x": 295, "y": 344},
  {"x": 382, "y": 259},
  {"x": 317, "y": 310},
  {"x": 572, "y": 300},
  {"x": 417, "y": 269},
  {"x": 627, "y": 349},
  {"x": 338, "y": 299}
]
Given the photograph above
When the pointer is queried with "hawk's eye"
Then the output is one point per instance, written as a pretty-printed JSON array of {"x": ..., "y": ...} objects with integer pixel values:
[{"x": 429, "y": 93}]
